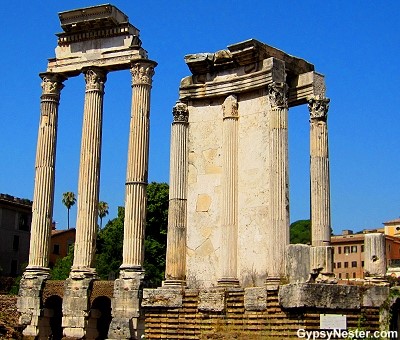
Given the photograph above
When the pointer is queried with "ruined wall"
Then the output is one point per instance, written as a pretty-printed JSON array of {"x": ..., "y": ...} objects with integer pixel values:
[
  {"x": 204, "y": 190},
  {"x": 245, "y": 315}
]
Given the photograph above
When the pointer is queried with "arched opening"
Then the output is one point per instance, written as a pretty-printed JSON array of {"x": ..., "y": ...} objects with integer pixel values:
[
  {"x": 54, "y": 305},
  {"x": 395, "y": 317},
  {"x": 101, "y": 308}
]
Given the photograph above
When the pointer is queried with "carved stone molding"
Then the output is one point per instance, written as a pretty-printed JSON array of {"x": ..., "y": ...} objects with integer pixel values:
[
  {"x": 318, "y": 108},
  {"x": 95, "y": 79},
  {"x": 52, "y": 83},
  {"x": 230, "y": 107},
  {"x": 142, "y": 73},
  {"x": 278, "y": 94},
  {"x": 180, "y": 112}
]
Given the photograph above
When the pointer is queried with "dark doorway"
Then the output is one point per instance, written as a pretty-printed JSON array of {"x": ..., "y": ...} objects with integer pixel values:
[
  {"x": 395, "y": 319},
  {"x": 103, "y": 304},
  {"x": 54, "y": 303}
]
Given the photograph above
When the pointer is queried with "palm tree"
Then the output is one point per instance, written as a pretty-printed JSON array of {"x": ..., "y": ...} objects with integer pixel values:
[
  {"x": 103, "y": 211},
  {"x": 68, "y": 200}
]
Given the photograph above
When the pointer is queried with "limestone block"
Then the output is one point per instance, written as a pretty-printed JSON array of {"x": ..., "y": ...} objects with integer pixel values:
[
  {"x": 162, "y": 297},
  {"x": 212, "y": 300},
  {"x": 255, "y": 298},
  {"x": 298, "y": 263},
  {"x": 315, "y": 295},
  {"x": 203, "y": 203},
  {"x": 374, "y": 256},
  {"x": 375, "y": 296}
]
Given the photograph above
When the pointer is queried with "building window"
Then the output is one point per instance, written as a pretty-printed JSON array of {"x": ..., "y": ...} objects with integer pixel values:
[
  {"x": 346, "y": 265},
  {"x": 339, "y": 264},
  {"x": 354, "y": 275},
  {"x": 362, "y": 264},
  {"x": 56, "y": 249},
  {"x": 13, "y": 267},
  {"x": 339, "y": 250},
  {"x": 23, "y": 222},
  {"x": 353, "y": 264},
  {"x": 354, "y": 249},
  {"x": 340, "y": 275},
  {"x": 347, "y": 250},
  {"x": 347, "y": 276},
  {"x": 334, "y": 265},
  {"x": 16, "y": 243},
  {"x": 362, "y": 248}
]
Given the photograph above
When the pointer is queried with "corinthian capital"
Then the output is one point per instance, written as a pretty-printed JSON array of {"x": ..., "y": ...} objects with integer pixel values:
[
  {"x": 230, "y": 107},
  {"x": 52, "y": 83},
  {"x": 95, "y": 79},
  {"x": 278, "y": 94},
  {"x": 318, "y": 108},
  {"x": 142, "y": 73},
  {"x": 180, "y": 112}
]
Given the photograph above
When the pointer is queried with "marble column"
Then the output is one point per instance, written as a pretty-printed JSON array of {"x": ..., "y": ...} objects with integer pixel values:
[
  {"x": 279, "y": 189},
  {"x": 89, "y": 174},
  {"x": 176, "y": 240},
  {"x": 319, "y": 173},
  {"x": 43, "y": 197},
  {"x": 137, "y": 168},
  {"x": 229, "y": 212},
  {"x": 37, "y": 271},
  {"x": 375, "y": 257}
]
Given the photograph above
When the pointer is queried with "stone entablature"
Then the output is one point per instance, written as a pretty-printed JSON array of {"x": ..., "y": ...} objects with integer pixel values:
[
  {"x": 95, "y": 36},
  {"x": 255, "y": 66}
]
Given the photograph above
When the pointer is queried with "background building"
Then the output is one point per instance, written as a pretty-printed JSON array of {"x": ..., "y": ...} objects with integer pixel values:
[
  {"x": 349, "y": 251},
  {"x": 15, "y": 225},
  {"x": 60, "y": 242}
]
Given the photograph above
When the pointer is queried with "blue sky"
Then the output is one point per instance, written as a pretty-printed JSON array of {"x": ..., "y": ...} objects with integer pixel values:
[{"x": 355, "y": 44}]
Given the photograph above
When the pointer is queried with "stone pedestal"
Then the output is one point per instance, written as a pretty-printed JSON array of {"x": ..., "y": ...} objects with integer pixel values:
[
  {"x": 29, "y": 304},
  {"x": 375, "y": 258},
  {"x": 321, "y": 265},
  {"x": 175, "y": 269},
  {"x": 127, "y": 322},
  {"x": 76, "y": 307},
  {"x": 298, "y": 263}
]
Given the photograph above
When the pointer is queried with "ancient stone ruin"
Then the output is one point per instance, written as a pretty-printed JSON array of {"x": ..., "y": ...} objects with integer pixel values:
[{"x": 230, "y": 267}]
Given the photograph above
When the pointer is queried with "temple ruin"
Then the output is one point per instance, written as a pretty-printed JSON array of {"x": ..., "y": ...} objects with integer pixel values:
[{"x": 229, "y": 265}]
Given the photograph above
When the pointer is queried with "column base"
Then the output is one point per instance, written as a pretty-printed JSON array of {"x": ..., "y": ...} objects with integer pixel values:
[
  {"x": 273, "y": 282},
  {"x": 173, "y": 283},
  {"x": 76, "y": 306},
  {"x": 321, "y": 265},
  {"x": 127, "y": 321},
  {"x": 82, "y": 273},
  {"x": 29, "y": 302},
  {"x": 376, "y": 281},
  {"x": 228, "y": 282}
]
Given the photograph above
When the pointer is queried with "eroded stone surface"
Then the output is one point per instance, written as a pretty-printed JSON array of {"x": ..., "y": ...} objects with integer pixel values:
[
  {"x": 212, "y": 300},
  {"x": 162, "y": 297},
  {"x": 255, "y": 298},
  {"x": 320, "y": 296}
]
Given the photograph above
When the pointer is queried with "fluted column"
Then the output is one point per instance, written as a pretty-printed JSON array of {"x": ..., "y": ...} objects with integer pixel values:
[
  {"x": 279, "y": 191},
  {"x": 137, "y": 168},
  {"x": 229, "y": 211},
  {"x": 89, "y": 173},
  {"x": 175, "y": 270},
  {"x": 319, "y": 172},
  {"x": 43, "y": 197}
]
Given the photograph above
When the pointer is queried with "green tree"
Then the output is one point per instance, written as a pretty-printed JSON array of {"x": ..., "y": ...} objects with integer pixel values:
[
  {"x": 68, "y": 200},
  {"x": 109, "y": 246},
  {"x": 300, "y": 232},
  {"x": 110, "y": 239},
  {"x": 103, "y": 211},
  {"x": 63, "y": 266}
]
